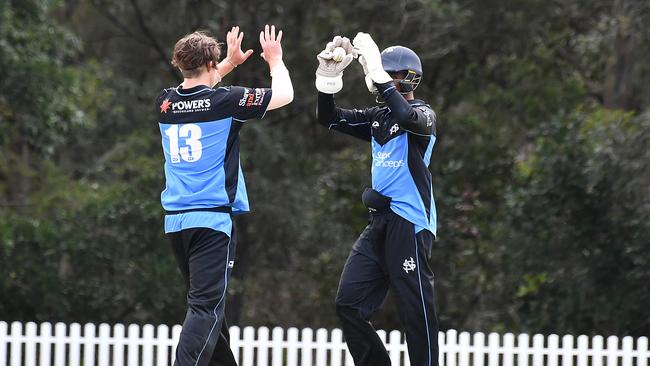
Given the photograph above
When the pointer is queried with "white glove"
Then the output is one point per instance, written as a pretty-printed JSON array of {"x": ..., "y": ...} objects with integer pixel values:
[
  {"x": 369, "y": 83},
  {"x": 370, "y": 59},
  {"x": 329, "y": 75}
]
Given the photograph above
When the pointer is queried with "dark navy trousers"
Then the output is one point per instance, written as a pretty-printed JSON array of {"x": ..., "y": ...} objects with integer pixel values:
[
  {"x": 389, "y": 255},
  {"x": 205, "y": 258}
]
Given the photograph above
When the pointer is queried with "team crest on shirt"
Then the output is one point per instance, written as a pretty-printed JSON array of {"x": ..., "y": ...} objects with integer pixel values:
[
  {"x": 164, "y": 107},
  {"x": 394, "y": 129},
  {"x": 409, "y": 265},
  {"x": 252, "y": 97}
]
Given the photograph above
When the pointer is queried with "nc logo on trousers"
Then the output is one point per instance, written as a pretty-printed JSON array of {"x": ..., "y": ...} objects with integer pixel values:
[{"x": 409, "y": 265}]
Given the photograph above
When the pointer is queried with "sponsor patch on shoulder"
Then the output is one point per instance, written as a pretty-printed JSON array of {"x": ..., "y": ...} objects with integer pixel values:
[{"x": 252, "y": 97}]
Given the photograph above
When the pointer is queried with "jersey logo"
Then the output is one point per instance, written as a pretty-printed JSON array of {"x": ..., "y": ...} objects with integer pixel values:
[
  {"x": 375, "y": 124},
  {"x": 164, "y": 107},
  {"x": 380, "y": 160},
  {"x": 394, "y": 129},
  {"x": 189, "y": 106},
  {"x": 429, "y": 117},
  {"x": 408, "y": 265},
  {"x": 252, "y": 97}
]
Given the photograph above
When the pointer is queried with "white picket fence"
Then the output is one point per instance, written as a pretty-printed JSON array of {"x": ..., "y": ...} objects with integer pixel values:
[{"x": 34, "y": 344}]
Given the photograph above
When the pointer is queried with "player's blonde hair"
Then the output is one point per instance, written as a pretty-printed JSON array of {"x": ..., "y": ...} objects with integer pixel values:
[{"x": 194, "y": 51}]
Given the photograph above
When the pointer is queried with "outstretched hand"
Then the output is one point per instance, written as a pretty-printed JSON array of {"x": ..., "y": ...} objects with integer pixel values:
[
  {"x": 235, "y": 54},
  {"x": 271, "y": 46}
]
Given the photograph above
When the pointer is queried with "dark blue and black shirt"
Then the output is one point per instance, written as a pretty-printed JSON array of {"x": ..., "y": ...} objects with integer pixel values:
[
  {"x": 402, "y": 135},
  {"x": 200, "y": 139}
]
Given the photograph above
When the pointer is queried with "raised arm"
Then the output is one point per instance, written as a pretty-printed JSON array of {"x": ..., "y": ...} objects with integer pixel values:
[
  {"x": 281, "y": 87},
  {"x": 353, "y": 122},
  {"x": 234, "y": 56},
  {"x": 419, "y": 119},
  {"x": 336, "y": 56}
]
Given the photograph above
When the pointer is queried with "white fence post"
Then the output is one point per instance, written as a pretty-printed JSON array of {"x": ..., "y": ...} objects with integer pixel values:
[
  {"x": 16, "y": 347},
  {"x": 463, "y": 349},
  {"x": 147, "y": 345},
  {"x": 75, "y": 344},
  {"x": 45, "y": 345},
  {"x": 104, "y": 340},
  {"x": 292, "y": 347},
  {"x": 307, "y": 339},
  {"x": 442, "y": 347},
  {"x": 321, "y": 347},
  {"x": 567, "y": 350},
  {"x": 523, "y": 346},
  {"x": 119, "y": 333},
  {"x": 508, "y": 349},
  {"x": 133, "y": 347},
  {"x": 642, "y": 351},
  {"x": 452, "y": 347},
  {"x": 338, "y": 347},
  {"x": 262, "y": 345},
  {"x": 493, "y": 349},
  {"x": 235, "y": 340},
  {"x": 583, "y": 346},
  {"x": 538, "y": 350},
  {"x": 627, "y": 351},
  {"x": 60, "y": 334},
  {"x": 597, "y": 351},
  {"x": 478, "y": 342},
  {"x": 248, "y": 346},
  {"x": 277, "y": 344},
  {"x": 394, "y": 346},
  {"x": 30, "y": 344},
  {"x": 612, "y": 351},
  {"x": 162, "y": 345},
  {"x": 89, "y": 345},
  {"x": 553, "y": 349},
  {"x": 4, "y": 336}
]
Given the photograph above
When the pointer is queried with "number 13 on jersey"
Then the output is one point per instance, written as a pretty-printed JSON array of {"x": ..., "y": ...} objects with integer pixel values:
[{"x": 193, "y": 148}]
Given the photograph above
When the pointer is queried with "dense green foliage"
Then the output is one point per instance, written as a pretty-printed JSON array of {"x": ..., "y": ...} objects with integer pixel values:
[{"x": 541, "y": 169}]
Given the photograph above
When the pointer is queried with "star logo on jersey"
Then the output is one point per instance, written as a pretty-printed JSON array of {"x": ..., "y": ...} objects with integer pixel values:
[
  {"x": 394, "y": 129},
  {"x": 409, "y": 265},
  {"x": 164, "y": 107}
]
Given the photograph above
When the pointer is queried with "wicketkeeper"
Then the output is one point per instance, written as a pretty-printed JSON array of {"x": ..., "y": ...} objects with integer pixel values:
[
  {"x": 393, "y": 250},
  {"x": 200, "y": 124}
]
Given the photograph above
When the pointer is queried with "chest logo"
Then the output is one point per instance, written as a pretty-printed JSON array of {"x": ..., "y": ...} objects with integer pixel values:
[
  {"x": 381, "y": 160},
  {"x": 375, "y": 124},
  {"x": 394, "y": 129},
  {"x": 409, "y": 265},
  {"x": 164, "y": 107}
]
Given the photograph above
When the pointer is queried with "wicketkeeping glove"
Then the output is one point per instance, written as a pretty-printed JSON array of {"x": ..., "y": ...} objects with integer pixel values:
[
  {"x": 370, "y": 60},
  {"x": 329, "y": 75},
  {"x": 369, "y": 83}
]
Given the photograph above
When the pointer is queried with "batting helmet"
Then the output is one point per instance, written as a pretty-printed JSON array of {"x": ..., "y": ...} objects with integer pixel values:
[{"x": 403, "y": 59}]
